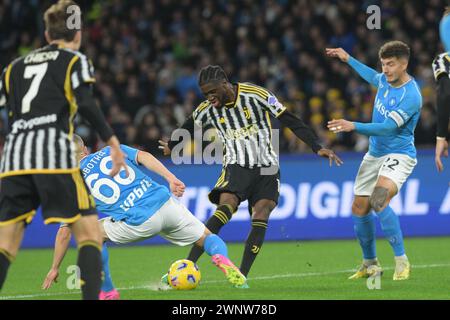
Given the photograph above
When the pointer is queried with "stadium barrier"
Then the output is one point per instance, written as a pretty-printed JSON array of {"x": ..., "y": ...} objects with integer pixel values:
[{"x": 315, "y": 201}]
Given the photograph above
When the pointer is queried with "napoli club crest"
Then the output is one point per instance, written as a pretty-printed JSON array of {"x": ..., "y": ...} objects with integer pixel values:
[{"x": 392, "y": 102}]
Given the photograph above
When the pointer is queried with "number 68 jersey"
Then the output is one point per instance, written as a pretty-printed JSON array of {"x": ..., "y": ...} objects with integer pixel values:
[
  {"x": 133, "y": 199},
  {"x": 38, "y": 93}
]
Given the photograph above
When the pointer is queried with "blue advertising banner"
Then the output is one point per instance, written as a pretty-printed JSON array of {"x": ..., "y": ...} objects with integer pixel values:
[{"x": 315, "y": 201}]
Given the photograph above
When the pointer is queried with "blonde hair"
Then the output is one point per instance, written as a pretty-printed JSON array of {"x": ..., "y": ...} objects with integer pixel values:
[{"x": 56, "y": 18}]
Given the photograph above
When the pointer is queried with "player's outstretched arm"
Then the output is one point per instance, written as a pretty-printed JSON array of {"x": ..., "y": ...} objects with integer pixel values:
[
  {"x": 443, "y": 114},
  {"x": 407, "y": 108},
  {"x": 150, "y": 162},
  {"x": 61, "y": 245},
  {"x": 306, "y": 134},
  {"x": 167, "y": 147},
  {"x": 386, "y": 128},
  {"x": 367, "y": 73}
]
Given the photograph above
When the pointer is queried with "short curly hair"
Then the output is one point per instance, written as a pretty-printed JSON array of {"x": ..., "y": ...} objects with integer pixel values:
[{"x": 397, "y": 49}]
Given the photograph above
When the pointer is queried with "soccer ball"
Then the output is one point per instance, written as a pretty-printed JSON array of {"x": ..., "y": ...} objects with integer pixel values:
[{"x": 184, "y": 275}]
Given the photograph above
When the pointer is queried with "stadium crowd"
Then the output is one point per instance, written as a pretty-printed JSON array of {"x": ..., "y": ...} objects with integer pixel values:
[{"x": 147, "y": 55}]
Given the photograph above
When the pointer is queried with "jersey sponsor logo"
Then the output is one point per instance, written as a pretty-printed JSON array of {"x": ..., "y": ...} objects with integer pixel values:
[
  {"x": 30, "y": 124},
  {"x": 241, "y": 133},
  {"x": 135, "y": 194},
  {"x": 39, "y": 57},
  {"x": 381, "y": 108}
]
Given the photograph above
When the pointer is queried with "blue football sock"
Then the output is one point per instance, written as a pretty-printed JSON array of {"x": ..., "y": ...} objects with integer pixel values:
[
  {"x": 365, "y": 232},
  {"x": 214, "y": 245},
  {"x": 390, "y": 225},
  {"x": 107, "y": 284}
]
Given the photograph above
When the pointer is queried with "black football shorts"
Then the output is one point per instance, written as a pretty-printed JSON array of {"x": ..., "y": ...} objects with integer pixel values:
[{"x": 64, "y": 198}]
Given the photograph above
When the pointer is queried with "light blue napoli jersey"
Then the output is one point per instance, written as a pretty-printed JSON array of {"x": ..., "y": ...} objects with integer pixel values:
[
  {"x": 133, "y": 199},
  {"x": 403, "y": 105}
]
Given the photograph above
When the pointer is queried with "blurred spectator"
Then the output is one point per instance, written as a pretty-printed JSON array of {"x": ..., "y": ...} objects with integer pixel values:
[{"x": 147, "y": 55}]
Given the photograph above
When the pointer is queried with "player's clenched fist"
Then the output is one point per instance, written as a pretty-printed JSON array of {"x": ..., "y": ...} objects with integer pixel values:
[{"x": 177, "y": 187}]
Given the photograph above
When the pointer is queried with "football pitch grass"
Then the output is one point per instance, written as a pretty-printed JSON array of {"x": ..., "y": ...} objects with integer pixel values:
[{"x": 283, "y": 270}]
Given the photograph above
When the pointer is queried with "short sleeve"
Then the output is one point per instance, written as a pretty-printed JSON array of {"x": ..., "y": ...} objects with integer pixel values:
[
  {"x": 131, "y": 153},
  {"x": 407, "y": 108},
  {"x": 200, "y": 114},
  {"x": 82, "y": 72}
]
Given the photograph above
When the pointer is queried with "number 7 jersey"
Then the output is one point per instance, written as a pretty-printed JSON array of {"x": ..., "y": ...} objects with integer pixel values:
[
  {"x": 133, "y": 199},
  {"x": 38, "y": 93}
]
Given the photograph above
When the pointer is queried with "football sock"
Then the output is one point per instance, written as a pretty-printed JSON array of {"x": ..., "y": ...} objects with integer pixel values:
[
  {"x": 400, "y": 258},
  {"x": 390, "y": 225},
  {"x": 107, "y": 284},
  {"x": 253, "y": 244},
  {"x": 369, "y": 262},
  {"x": 5, "y": 261},
  {"x": 90, "y": 264},
  {"x": 365, "y": 229},
  {"x": 214, "y": 245},
  {"x": 220, "y": 218}
]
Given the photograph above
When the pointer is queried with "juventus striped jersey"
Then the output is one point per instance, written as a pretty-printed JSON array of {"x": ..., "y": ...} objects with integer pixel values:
[
  {"x": 38, "y": 93},
  {"x": 244, "y": 127},
  {"x": 441, "y": 64}
]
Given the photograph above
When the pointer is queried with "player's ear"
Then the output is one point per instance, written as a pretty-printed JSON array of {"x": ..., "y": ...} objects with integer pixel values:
[
  {"x": 77, "y": 39},
  {"x": 404, "y": 63},
  {"x": 47, "y": 37}
]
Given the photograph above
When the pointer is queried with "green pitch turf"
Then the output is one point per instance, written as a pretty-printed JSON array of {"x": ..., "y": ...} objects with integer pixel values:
[{"x": 288, "y": 270}]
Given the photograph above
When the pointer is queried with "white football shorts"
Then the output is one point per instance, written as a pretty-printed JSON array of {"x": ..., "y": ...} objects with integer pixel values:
[
  {"x": 397, "y": 167},
  {"x": 173, "y": 221}
]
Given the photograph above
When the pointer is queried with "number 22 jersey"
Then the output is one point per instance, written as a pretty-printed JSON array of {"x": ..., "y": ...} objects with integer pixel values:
[{"x": 133, "y": 199}]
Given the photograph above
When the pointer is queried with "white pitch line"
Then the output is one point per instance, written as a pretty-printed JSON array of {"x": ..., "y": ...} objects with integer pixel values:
[{"x": 280, "y": 276}]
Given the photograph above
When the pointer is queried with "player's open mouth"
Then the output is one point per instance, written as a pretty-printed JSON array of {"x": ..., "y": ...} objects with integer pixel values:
[{"x": 214, "y": 101}]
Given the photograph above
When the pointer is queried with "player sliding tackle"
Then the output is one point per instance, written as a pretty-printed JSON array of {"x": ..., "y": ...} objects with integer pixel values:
[
  {"x": 391, "y": 157},
  {"x": 138, "y": 209}
]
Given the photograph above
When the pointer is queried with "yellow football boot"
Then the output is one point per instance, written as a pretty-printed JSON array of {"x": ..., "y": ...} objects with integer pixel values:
[
  {"x": 402, "y": 269},
  {"x": 367, "y": 271}
]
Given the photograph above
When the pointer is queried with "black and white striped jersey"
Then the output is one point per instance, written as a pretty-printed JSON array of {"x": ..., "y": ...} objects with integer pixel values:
[
  {"x": 244, "y": 127},
  {"x": 441, "y": 64},
  {"x": 38, "y": 93}
]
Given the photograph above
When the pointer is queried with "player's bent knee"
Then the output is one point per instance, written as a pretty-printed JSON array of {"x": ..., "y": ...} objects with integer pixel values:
[
  {"x": 360, "y": 210},
  {"x": 229, "y": 199}
]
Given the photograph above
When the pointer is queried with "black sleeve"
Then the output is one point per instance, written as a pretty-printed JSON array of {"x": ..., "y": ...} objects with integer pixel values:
[
  {"x": 187, "y": 125},
  {"x": 443, "y": 105},
  {"x": 301, "y": 130},
  {"x": 88, "y": 108}
]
